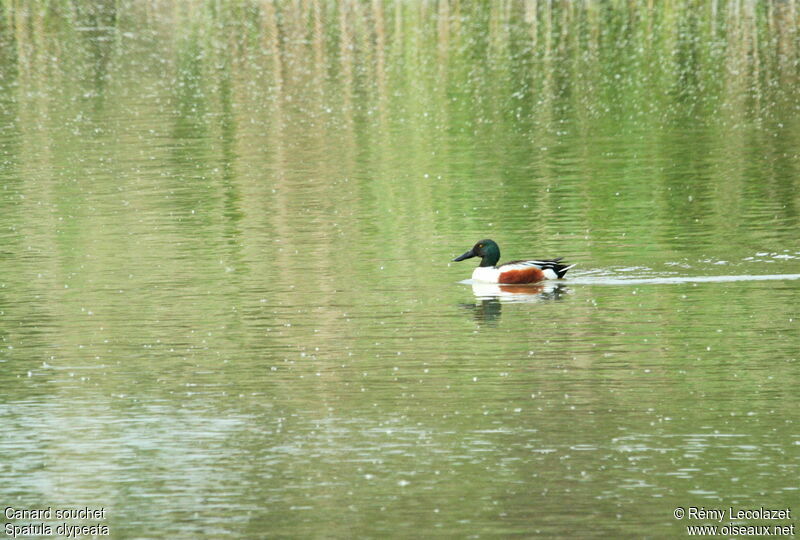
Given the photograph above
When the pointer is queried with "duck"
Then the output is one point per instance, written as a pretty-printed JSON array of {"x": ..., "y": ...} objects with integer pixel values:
[{"x": 514, "y": 272}]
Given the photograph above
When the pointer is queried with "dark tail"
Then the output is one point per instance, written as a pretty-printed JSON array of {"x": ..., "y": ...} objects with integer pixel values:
[
  {"x": 555, "y": 266},
  {"x": 561, "y": 269}
]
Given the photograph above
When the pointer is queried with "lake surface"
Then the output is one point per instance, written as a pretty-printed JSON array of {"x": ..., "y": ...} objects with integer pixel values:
[{"x": 227, "y": 307}]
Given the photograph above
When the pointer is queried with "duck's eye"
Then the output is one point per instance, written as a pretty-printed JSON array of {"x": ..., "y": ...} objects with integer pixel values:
[{"x": 480, "y": 245}]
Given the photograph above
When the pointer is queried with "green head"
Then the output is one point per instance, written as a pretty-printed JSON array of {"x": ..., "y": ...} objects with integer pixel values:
[{"x": 487, "y": 250}]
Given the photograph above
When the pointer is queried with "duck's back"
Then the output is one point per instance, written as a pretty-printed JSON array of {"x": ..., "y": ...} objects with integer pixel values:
[{"x": 520, "y": 272}]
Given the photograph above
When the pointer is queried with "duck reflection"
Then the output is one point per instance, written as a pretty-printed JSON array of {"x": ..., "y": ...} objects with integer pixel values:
[
  {"x": 492, "y": 296},
  {"x": 486, "y": 311},
  {"x": 539, "y": 292}
]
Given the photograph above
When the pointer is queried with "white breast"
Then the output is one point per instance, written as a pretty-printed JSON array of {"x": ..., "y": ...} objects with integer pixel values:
[{"x": 486, "y": 274}]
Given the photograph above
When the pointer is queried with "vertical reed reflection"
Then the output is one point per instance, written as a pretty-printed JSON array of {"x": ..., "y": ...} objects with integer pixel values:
[{"x": 316, "y": 82}]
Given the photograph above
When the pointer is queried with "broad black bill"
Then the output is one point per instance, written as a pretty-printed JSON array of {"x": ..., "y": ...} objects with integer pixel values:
[{"x": 468, "y": 255}]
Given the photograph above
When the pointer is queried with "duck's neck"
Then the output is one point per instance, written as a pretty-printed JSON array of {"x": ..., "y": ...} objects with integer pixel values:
[{"x": 491, "y": 256}]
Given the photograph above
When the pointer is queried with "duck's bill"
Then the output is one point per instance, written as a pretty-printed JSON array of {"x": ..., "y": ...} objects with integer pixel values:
[{"x": 468, "y": 255}]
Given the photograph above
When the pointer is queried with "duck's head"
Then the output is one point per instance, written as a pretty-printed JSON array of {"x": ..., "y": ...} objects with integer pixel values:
[{"x": 487, "y": 250}]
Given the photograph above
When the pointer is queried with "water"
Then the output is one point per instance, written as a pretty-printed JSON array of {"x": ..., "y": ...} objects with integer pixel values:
[{"x": 227, "y": 306}]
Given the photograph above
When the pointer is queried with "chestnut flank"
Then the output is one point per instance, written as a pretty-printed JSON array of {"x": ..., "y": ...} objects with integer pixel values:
[{"x": 526, "y": 275}]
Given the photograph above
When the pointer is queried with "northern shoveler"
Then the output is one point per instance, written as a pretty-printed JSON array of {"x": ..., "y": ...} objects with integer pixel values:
[{"x": 514, "y": 272}]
